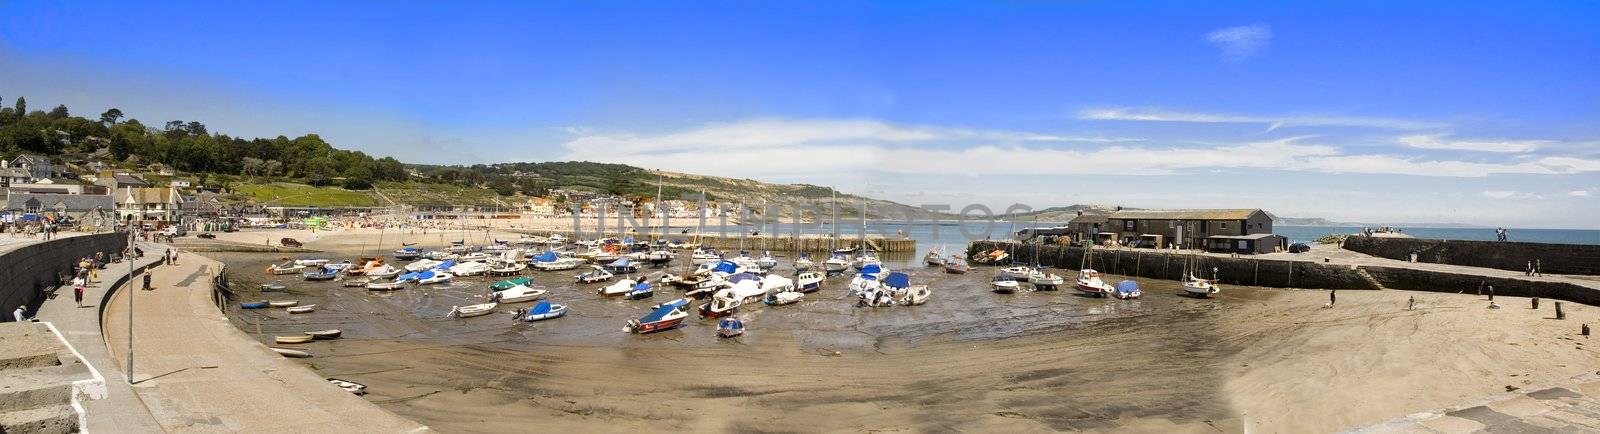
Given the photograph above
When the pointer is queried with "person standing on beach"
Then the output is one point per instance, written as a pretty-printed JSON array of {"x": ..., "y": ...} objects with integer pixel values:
[
  {"x": 1529, "y": 271},
  {"x": 1491, "y": 292},
  {"x": 1411, "y": 304},
  {"x": 21, "y": 314},
  {"x": 1333, "y": 297},
  {"x": 1537, "y": 264},
  {"x": 77, "y": 290}
]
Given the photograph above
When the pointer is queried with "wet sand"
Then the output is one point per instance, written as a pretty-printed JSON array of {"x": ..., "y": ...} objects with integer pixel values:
[{"x": 1263, "y": 359}]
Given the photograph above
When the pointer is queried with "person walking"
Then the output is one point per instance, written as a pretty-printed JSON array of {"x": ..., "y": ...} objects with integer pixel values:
[
  {"x": 1491, "y": 292},
  {"x": 1537, "y": 264},
  {"x": 1411, "y": 304},
  {"x": 77, "y": 290},
  {"x": 147, "y": 282},
  {"x": 1333, "y": 297},
  {"x": 21, "y": 314},
  {"x": 1529, "y": 270}
]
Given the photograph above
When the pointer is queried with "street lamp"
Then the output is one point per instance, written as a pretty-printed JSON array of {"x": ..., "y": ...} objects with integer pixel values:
[{"x": 129, "y": 288}]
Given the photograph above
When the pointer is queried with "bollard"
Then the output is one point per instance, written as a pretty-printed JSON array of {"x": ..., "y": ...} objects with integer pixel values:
[
  {"x": 1559, "y": 313},
  {"x": 1585, "y": 331},
  {"x": 1536, "y": 303}
]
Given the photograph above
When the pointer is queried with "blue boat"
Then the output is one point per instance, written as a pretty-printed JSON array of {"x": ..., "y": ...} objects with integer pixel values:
[
  {"x": 1127, "y": 289},
  {"x": 254, "y": 305},
  {"x": 547, "y": 256},
  {"x": 666, "y": 316},
  {"x": 622, "y": 266},
  {"x": 730, "y": 327},
  {"x": 543, "y": 311},
  {"x": 640, "y": 292}
]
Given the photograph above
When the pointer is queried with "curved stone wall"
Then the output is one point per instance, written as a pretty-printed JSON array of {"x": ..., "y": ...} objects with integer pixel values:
[
  {"x": 1514, "y": 256},
  {"x": 27, "y": 273}
]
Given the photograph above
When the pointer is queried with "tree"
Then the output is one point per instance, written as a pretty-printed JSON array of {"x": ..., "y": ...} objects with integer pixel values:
[
  {"x": 195, "y": 128},
  {"x": 357, "y": 184},
  {"x": 110, "y": 117},
  {"x": 60, "y": 112},
  {"x": 22, "y": 106}
]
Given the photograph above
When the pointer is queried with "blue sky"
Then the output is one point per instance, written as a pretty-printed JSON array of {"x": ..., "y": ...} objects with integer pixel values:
[{"x": 1438, "y": 112}]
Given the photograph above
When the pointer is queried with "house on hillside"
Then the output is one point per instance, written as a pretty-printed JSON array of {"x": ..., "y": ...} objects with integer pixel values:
[
  {"x": 87, "y": 209},
  {"x": 14, "y": 175},
  {"x": 147, "y": 203},
  {"x": 1219, "y": 230},
  {"x": 37, "y": 166},
  {"x": 160, "y": 169},
  {"x": 117, "y": 180}
]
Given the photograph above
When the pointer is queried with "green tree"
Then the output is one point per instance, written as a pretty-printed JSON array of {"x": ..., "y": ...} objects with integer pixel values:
[
  {"x": 110, "y": 117},
  {"x": 60, "y": 112},
  {"x": 22, "y": 106}
]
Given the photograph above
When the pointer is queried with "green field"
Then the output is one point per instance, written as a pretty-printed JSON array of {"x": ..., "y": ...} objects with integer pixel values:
[
  {"x": 419, "y": 193},
  {"x": 291, "y": 194}
]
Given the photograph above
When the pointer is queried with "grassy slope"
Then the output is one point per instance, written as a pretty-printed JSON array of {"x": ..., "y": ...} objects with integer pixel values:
[{"x": 291, "y": 194}]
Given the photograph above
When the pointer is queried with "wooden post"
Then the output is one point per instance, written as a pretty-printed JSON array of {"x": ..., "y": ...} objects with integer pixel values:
[
  {"x": 1536, "y": 303},
  {"x": 1585, "y": 331},
  {"x": 1559, "y": 313}
]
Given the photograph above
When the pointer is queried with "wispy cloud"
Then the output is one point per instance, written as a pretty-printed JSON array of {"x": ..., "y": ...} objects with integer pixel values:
[
  {"x": 1439, "y": 141},
  {"x": 1275, "y": 122},
  {"x": 1508, "y": 194},
  {"x": 1579, "y": 193},
  {"x": 1242, "y": 42},
  {"x": 778, "y": 147}
]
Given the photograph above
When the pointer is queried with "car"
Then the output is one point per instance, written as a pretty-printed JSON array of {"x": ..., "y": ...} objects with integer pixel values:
[
  {"x": 290, "y": 242},
  {"x": 1299, "y": 248},
  {"x": 206, "y": 235}
]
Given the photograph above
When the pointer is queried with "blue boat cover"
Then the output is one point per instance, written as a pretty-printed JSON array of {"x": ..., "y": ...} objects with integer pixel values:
[
  {"x": 405, "y": 277},
  {"x": 742, "y": 277},
  {"x": 871, "y": 269},
  {"x": 547, "y": 256},
  {"x": 542, "y": 307},
  {"x": 730, "y": 323},
  {"x": 445, "y": 265},
  {"x": 628, "y": 240},
  {"x": 897, "y": 280},
  {"x": 624, "y": 262},
  {"x": 659, "y": 313},
  {"x": 641, "y": 286},
  {"x": 726, "y": 267},
  {"x": 424, "y": 275},
  {"x": 1127, "y": 286},
  {"x": 409, "y": 249},
  {"x": 805, "y": 255}
]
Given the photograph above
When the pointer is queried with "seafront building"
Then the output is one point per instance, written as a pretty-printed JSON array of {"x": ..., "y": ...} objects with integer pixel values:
[{"x": 1216, "y": 230}]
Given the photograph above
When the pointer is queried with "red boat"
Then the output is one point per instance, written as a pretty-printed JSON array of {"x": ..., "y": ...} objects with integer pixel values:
[
  {"x": 1089, "y": 282},
  {"x": 666, "y": 316}
]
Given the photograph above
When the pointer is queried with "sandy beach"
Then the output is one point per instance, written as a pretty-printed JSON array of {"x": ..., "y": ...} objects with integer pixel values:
[{"x": 1256, "y": 359}]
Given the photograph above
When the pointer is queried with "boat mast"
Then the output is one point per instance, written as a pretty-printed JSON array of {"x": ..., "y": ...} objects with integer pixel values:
[{"x": 833, "y": 244}]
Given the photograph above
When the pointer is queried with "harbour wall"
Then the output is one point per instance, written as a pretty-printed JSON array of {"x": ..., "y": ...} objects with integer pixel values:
[
  {"x": 1246, "y": 270},
  {"x": 775, "y": 243},
  {"x": 29, "y": 272},
  {"x": 1553, "y": 258}
]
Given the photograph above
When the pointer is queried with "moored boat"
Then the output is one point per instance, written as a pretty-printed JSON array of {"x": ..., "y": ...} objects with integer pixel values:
[
  {"x": 283, "y": 303},
  {"x": 325, "y": 334},
  {"x": 1127, "y": 289},
  {"x": 1045, "y": 281},
  {"x": 292, "y": 339},
  {"x": 836, "y": 264},
  {"x": 433, "y": 277},
  {"x": 1089, "y": 282},
  {"x": 729, "y": 328},
  {"x": 783, "y": 298},
  {"x": 809, "y": 281},
  {"x": 355, "y": 283},
  {"x": 289, "y": 267},
  {"x": 302, "y": 309},
  {"x": 512, "y": 283},
  {"x": 640, "y": 291},
  {"x": 542, "y": 311},
  {"x": 472, "y": 310},
  {"x": 290, "y": 352},
  {"x": 594, "y": 275},
  {"x": 517, "y": 294},
  {"x": 254, "y": 305},
  {"x": 665, "y": 316},
  {"x": 1003, "y": 285},
  {"x": 934, "y": 258},
  {"x": 349, "y": 386}
]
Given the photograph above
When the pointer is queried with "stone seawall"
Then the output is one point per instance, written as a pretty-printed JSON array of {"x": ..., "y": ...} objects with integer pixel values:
[
  {"x": 29, "y": 271},
  {"x": 777, "y": 243},
  {"x": 1246, "y": 270},
  {"x": 1554, "y": 258}
]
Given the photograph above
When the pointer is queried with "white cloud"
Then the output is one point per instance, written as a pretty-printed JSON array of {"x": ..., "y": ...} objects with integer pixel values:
[
  {"x": 1507, "y": 194},
  {"x": 768, "y": 148},
  {"x": 1242, "y": 42},
  {"x": 1437, "y": 141},
  {"x": 1579, "y": 193},
  {"x": 1159, "y": 115}
]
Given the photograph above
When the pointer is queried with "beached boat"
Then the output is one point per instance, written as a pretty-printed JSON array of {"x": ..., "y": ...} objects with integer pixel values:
[
  {"x": 934, "y": 258},
  {"x": 517, "y": 294},
  {"x": 836, "y": 264},
  {"x": 996, "y": 256},
  {"x": 349, "y": 386},
  {"x": 594, "y": 275},
  {"x": 804, "y": 262},
  {"x": 640, "y": 291},
  {"x": 542, "y": 311},
  {"x": 254, "y": 305},
  {"x": 619, "y": 287},
  {"x": 286, "y": 268},
  {"x": 1200, "y": 287},
  {"x": 356, "y": 283},
  {"x": 302, "y": 309},
  {"x": 903, "y": 292},
  {"x": 422, "y": 265},
  {"x": 704, "y": 256},
  {"x": 389, "y": 285},
  {"x": 325, "y": 334},
  {"x": 311, "y": 262},
  {"x": 433, "y": 277},
  {"x": 292, "y": 339},
  {"x": 274, "y": 287},
  {"x": 956, "y": 265},
  {"x": 1089, "y": 282},
  {"x": 1019, "y": 272},
  {"x": 865, "y": 260},
  {"x": 284, "y": 303},
  {"x": 367, "y": 264},
  {"x": 766, "y": 261},
  {"x": 730, "y": 328},
  {"x": 506, "y": 268},
  {"x": 1127, "y": 289},
  {"x": 508, "y": 284},
  {"x": 810, "y": 281},
  {"x": 775, "y": 283},
  {"x": 407, "y": 253},
  {"x": 622, "y": 266},
  {"x": 665, "y": 316},
  {"x": 383, "y": 271},
  {"x": 323, "y": 274},
  {"x": 783, "y": 298},
  {"x": 559, "y": 264},
  {"x": 1045, "y": 281},
  {"x": 1003, "y": 285},
  {"x": 472, "y": 310},
  {"x": 469, "y": 269},
  {"x": 746, "y": 263},
  {"x": 473, "y": 257},
  {"x": 290, "y": 352},
  {"x": 338, "y": 267},
  {"x": 653, "y": 257}
]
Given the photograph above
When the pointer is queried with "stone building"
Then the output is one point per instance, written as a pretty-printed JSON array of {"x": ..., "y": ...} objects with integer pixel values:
[{"x": 1222, "y": 230}]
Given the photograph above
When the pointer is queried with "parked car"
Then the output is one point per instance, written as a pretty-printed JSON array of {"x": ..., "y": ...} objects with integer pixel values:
[
  {"x": 1299, "y": 248},
  {"x": 290, "y": 242},
  {"x": 206, "y": 235}
]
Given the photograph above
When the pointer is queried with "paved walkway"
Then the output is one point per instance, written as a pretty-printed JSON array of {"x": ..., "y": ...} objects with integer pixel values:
[
  {"x": 11, "y": 241},
  {"x": 120, "y": 410},
  {"x": 197, "y": 372},
  {"x": 1570, "y": 408}
]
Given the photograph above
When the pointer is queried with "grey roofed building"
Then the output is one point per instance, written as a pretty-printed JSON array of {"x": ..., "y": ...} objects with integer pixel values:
[
  {"x": 67, "y": 203},
  {"x": 1185, "y": 228}
]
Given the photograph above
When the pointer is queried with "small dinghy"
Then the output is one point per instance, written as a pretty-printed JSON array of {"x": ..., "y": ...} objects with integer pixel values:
[
  {"x": 1016, "y": 273},
  {"x": 324, "y": 334},
  {"x": 292, "y": 339},
  {"x": 407, "y": 253},
  {"x": 517, "y": 294},
  {"x": 508, "y": 284},
  {"x": 422, "y": 265},
  {"x": 254, "y": 305},
  {"x": 320, "y": 275},
  {"x": 386, "y": 286},
  {"x": 284, "y": 303},
  {"x": 349, "y": 386},
  {"x": 383, "y": 271},
  {"x": 286, "y": 268},
  {"x": 355, "y": 283},
  {"x": 542, "y": 311},
  {"x": 595, "y": 275},
  {"x": 729, "y": 328},
  {"x": 290, "y": 352},
  {"x": 472, "y": 310},
  {"x": 621, "y": 287},
  {"x": 1127, "y": 290},
  {"x": 665, "y": 316},
  {"x": 274, "y": 287},
  {"x": 783, "y": 298},
  {"x": 303, "y": 309},
  {"x": 640, "y": 291},
  {"x": 1004, "y": 285}
]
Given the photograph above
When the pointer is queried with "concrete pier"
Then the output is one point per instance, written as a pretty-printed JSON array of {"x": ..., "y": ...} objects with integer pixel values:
[{"x": 774, "y": 242}]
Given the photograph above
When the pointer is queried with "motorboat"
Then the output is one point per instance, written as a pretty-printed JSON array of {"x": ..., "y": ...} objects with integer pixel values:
[
  {"x": 721, "y": 305},
  {"x": 706, "y": 255},
  {"x": 655, "y": 257},
  {"x": 542, "y": 311},
  {"x": 469, "y": 269},
  {"x": 664, "y": 316},
  {"x": 439, "y": 255},
  {"x": 383, "y": 271},
  {"x": 743, "y": 287},
  {"x": 1127, "y": 289},
  {"x": 284, "y": 303},
  {"x": 367, "y": 264},
  {"x": 549, "y": 261},
  {"x": 746, "y": 262},
  {"x": 458, "y": 246},
  {"x": 730, "y": 328},
  {"x": 338, "y": 267},
  {"x": 836, "y": 264},
  {"x": 866, "y": 259},
  {"x": 934, "y": 258},
  {"x": 322, "y": 274},
  {"x": 1019, "y": 272},
  {"x": 473, "y": 257},
  {"x": 324, "y": 334},
  {"x": 804, "y": 262},
  {"x": 619, "y": 287},
  {"x": 1089, "y": 282},
  {"x": 407, "y": 253},
  {"x": 518, "y": 294},
  {"x": 622, "y": 266},
  {"x": 903, "y": 292},
  {"x": 254, "y": 305},
  {"x": 766, "y": 261},
  {"x": 640, "y": 291},
  {"x": 1004, "y": 285},
  {"x": 313, "y": 262},
  {"x": 996, "y": 256},
  {"x": 292, "y": 339},
  {"x": 302, "y": 309},
  {"x": 845, "y": 251},
  {"x": 512, "y": 283},
  {"x": 1045, "y": 281},
  {"x": 956, "y": 265},
  {"x": 775, "y": 283},
  {"x": 386, "y": 285},
  {"x": 433, "y": 277},
  {"x": 783, "y": 298},
  {"x": 808, "y": 282},
  {"x": 473, "y": 310},
  {"x": 289, "y": 267},
  {"x": 594, "y": 275},
  {"x": 866, "y": 281},
  {"x": 422, "y": 265},
  {"x": 349, "y": 386}
]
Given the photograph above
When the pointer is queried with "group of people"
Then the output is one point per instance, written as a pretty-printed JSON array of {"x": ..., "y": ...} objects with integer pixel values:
[
  {"x": 1501, "y": 234},
  {"x": 1533, "y": 268}
]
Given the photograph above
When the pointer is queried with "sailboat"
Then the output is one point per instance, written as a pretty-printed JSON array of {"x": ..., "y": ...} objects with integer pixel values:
[
  {"x": 1089, "y": 280},
  {"x": 1194, "y": 285},
  {"x": 803, "y": 262},
  {"x": 934, "y": 258}
]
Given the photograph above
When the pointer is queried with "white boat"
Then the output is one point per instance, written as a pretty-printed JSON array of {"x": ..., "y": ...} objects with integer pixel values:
[
  {"x": 349, "y": 386},
  {"x": 810, "y": 281},
  {"x": 783, "y": 298},
  {"x": 775, "y": 283},
  {"x": 804, "y": 262},
  {"x": 290, "y": 352},
  {"x": 287, "y": 268},
  {"x": 836, "y": 264},
  {"x": 766, "y": 261},
  {"x": 1127, "y": 290},
  {"x": 469, "y": 269},
  {"x": 518, "y": 294},
  {"x": 356, "y": 283},
  {"x": 559, "y": 264},
  {"x": 292, "y": 339},
  {"x": 1089, "y": 281},
  {"x": 310, "y": 262},
  {"x": 432, "y": 277},
  {"x": 864, "y": 260},
  {"x": 619, "y": 288},
  {"x": 506, "y": 268},
  {"x": 542, "y": 311},
  {"x": 383, "y": 271},
  {"x": 1019, "y": 272},
  {"x": 704, "y": 256},
  {"x": 1003, "y": 285},
  {"x": 721, "y": 305},
  {"x": 473, "y": 310},
  {"x": 1195, "y": 285},
  {"x": 746, "y": 263},
  {"x": 284, "y": 303},
  {"x": 473, "y": 257},
  {"x": 934, "y": 258},
  {"x": 302, "y": 309},
  {"x": 594, "y": 275},
  {"x": 422, "y": 265},
  {"x": 902, "y": 292},
  {"x": 1045, "y": 281},
  {"x": 389, "y": 285}
]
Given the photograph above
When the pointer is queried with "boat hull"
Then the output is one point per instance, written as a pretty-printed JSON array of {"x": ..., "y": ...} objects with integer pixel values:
[{"x": 657, "y": 326}]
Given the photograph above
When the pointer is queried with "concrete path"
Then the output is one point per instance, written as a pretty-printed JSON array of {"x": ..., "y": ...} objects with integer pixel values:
[
  {"x": 1573, "y": 407},
  {"x": 10, "y": 241},
  {"x": 196, "y": 372},
  {"x": 120, "y": 410}
]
